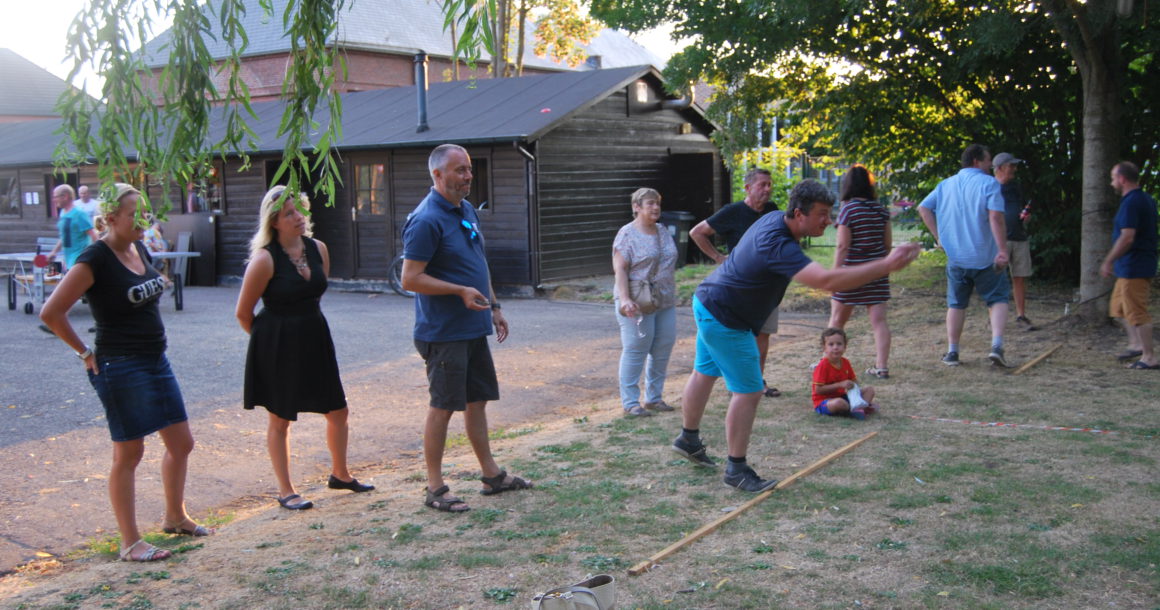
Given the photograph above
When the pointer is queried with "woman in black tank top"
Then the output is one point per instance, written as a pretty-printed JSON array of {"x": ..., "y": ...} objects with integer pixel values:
[{"x": 128, "y": 368}]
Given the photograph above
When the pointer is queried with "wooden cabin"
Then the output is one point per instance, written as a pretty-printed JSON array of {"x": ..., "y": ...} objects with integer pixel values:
[{"x": 556, "y": 157}]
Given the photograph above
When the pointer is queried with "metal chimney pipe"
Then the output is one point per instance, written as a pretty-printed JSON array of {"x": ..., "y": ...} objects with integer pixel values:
[{"x": 421, "y": 89}]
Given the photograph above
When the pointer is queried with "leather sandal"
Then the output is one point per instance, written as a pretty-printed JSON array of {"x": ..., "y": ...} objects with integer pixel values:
[
  {"x": 499, "y": 484},
  {"x": 197, "y": 531},
  {"x": 151, "y": 554},
  {"x": 440, "y": 501}
]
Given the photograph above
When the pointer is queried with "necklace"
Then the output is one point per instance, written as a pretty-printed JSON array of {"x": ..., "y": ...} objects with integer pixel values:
[{"x": 300, "y": 261}]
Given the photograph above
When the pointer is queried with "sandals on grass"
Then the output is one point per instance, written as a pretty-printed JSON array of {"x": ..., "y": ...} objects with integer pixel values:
[
  {"x": 197, "y": 531},
  {"x": 880, "y": 373},
  {"x": 151, "y": 553},
  {"x": 439, "y": 500},
  {"x": 501, "y": 483}
]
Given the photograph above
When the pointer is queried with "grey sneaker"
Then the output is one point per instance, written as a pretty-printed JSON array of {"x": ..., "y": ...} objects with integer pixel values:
[
  {"x": 637, "y": 411},
  {"x": 694, "y": 453},
  {"x": 951, "y": 359},
  {"x": 746, "y": 479},
  {"x": 658, "y": 406},
  {"x": 997, "y": 358}
]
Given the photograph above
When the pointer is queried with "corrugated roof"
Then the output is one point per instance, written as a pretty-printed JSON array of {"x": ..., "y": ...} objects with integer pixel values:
[
  {"x": 465, "y": 112},
  {"x": 28, "y": 89},
  {"x": 389, "y": 26}
]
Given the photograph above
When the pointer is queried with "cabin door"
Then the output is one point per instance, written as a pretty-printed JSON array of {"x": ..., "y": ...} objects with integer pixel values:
[{"x": 371, "y": 214}]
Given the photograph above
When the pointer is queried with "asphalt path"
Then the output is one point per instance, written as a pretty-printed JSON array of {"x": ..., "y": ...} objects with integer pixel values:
[{"x": 560, "y": 359}]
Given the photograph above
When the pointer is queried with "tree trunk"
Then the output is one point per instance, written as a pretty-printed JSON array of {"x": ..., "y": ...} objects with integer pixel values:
[
  {"x": 499, "y": 60},
  {"x": 1101, "y": 149},
  {"x": 522, "y": 15}
]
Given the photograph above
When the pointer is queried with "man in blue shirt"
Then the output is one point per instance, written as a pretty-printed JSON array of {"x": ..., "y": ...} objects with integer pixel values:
[
  {"x": 731, "y": 222},
  {"x": 74, "y": 227},
  {"x": 731, "y": 305},
  {"x": 965, "y": 215},
  {"x": 455, "y": 308},
  {"x": 1133, "y": 259}
]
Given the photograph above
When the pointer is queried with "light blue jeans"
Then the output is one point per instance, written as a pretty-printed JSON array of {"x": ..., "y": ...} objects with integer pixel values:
[{"x": 660, "y": 333}]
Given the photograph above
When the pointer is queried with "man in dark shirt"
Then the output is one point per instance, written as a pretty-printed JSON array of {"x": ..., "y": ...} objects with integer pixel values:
[
  {"x": 455, "y": 308},
  {"x": 1018, "y": 248},
  {"x": 730, "y": 306},
  {"x": 1133, "y": 260},
  {"x": 731, "y": 222}
]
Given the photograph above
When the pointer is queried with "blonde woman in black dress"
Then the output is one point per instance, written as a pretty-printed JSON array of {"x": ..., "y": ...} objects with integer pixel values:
[{"x": 291, "y": 366}]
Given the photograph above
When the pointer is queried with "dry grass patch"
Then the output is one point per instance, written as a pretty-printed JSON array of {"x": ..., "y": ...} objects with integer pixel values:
[{"x": 929, "y": 513}]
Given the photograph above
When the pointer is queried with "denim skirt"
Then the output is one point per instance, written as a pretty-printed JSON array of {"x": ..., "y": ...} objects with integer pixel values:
[{"x": 139, "y": 393}]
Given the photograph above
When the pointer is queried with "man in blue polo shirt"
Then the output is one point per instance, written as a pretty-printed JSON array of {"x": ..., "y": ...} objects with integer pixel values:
[
  {"x": 731, "y": 305},
  {"x": 965, "y": 214},
  {"x": 1133, "y": 260},
  {"x": 455, "y": 308}
]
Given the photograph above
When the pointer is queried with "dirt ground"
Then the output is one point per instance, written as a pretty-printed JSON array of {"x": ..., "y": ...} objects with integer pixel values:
[{"x": 918, "y": 394}]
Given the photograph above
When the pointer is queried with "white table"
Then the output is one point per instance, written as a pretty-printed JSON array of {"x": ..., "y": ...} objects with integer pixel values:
[
  {"x": 21, "y": 262},
  {"x": 180, "y": 260}
]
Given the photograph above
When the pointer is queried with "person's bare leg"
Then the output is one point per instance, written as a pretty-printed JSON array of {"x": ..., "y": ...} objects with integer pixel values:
[
  {"x": 434, "y": 440},
  {"x": 839, "y": 314},
  {"x": 998, "y": 313},
  {"x": 1019, "y": 284},
  {"x": 337, "y": 436},
  {"x": 475, "y": 420},
  {"x": 739, "y": 422},
  {"x": 762, "y": 349},
  {"x": 179, "y": 443},
  {"x": 868, "y": 393},
  {"x": 955, "y": 320},
  {"x": 881, "y": 335},
  {"x": 1144, "y": 333},
  {"x": 1134, "y": 339},
  {"x": 837, "y": 406},
  {"x": 122, "y": 488},
  {"x": 694, "y": 399},
  {"x": 278, "y": 446}
]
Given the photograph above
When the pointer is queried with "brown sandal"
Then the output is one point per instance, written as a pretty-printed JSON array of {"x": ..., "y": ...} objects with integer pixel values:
[
  {"x": 439, "y": 500},
  {"x": 498, "y": 484}
]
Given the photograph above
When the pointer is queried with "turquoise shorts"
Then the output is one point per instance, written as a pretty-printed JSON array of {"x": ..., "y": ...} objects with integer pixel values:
[{"x": 726, "y": 352}]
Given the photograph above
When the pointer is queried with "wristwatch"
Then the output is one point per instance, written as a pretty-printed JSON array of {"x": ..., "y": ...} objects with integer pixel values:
[
  {"x": 85, "y": 354},
  {"x": 496, "y": 307}
]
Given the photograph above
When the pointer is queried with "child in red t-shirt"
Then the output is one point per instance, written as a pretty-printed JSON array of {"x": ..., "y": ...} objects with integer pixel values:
[{"x": 834, "y": 377}]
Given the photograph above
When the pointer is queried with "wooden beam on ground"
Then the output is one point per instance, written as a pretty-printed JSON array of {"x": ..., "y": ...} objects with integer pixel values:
[
  {"x": 708, "y": 528},
  {"x": 1036, "y": 360}
]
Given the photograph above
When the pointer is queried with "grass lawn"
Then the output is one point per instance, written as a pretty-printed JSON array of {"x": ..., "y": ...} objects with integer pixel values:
[{"x": 942, "y": 509}]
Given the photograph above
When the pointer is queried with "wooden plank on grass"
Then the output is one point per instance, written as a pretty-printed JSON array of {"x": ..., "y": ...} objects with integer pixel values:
[
  {"x": 706, "y": 529},
  {"x": 1036, "y": 360}
]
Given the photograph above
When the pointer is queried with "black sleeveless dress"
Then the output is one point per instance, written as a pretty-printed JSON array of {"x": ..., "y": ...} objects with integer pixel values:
[{"x": 291, "y": 366}]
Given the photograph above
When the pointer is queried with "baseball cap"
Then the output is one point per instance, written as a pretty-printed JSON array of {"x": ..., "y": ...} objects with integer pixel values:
[{"x": 1004, "y": 158}]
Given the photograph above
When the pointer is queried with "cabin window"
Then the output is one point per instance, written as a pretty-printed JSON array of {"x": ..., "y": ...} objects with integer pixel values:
[
  {"x": 9, "y": 194},
  {"x": 480, "y": 195},
  {"x": 371, "y": 188},
  {"x": 204, "y": 193}
]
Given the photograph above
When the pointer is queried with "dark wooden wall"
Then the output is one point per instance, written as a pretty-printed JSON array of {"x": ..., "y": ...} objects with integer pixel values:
[
  {"x": 590, "y": 165},
  {"x": 241, "y": 200}
]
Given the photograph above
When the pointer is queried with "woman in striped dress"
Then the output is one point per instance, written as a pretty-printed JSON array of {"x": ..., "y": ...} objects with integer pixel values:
[{"x": 863, "y": 236}]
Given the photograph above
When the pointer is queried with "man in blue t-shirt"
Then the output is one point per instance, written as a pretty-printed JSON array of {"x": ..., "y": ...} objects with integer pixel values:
[
  {"x": 965, "y": 215},
  {"x": 455, "y": 307},
  {"x": 731, "y": 305},
  {"x": 1133, "y": 259},
  {"x": 731, "y": 222},
  {"x": 74, "y": 227}
]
